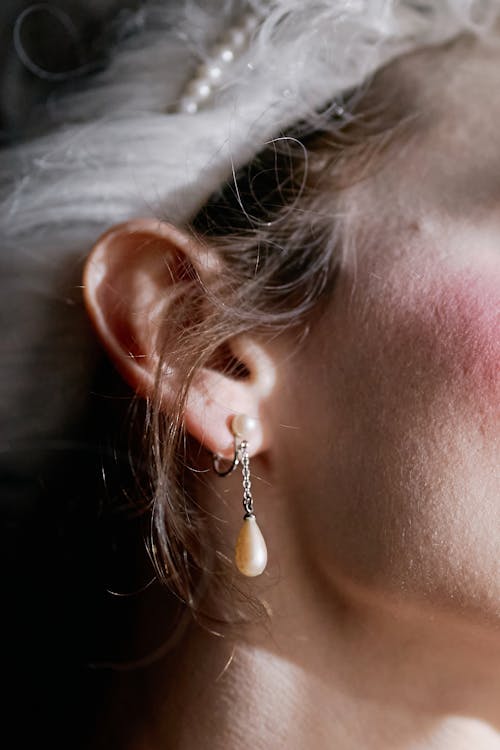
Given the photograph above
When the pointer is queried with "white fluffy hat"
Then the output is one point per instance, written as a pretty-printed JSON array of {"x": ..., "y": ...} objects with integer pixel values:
[{"x": 125, "y": 140}]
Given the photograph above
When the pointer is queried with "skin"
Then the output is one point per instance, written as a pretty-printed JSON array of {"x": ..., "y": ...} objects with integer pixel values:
[{"x": 376, "y": 483}]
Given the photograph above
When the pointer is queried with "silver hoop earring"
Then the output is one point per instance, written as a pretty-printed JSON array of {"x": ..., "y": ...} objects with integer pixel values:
[{"x": 250, "y": 553}]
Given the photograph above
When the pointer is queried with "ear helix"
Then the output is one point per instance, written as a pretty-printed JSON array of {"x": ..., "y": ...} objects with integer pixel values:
[{"x": 250, "y": 551}]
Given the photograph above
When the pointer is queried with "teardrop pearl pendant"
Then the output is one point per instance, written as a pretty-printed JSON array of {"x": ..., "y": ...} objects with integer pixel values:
[{"x": 251, "y": 551}]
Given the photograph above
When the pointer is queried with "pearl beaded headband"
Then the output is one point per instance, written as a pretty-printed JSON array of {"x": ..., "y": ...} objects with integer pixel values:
[
  {"x": 275, "y": 63},
  {"x": 215, "y": 81},
  {"x": 210, "y": 75}
]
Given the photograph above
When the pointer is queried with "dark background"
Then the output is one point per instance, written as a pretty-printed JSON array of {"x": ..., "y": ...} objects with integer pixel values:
[
  {"x": 66, "y": 539},
  {"x": 45, "y": 46}
]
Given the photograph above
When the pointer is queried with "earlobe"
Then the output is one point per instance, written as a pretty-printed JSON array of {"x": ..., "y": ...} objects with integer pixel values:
[
  {"x": 215, "y": 398},
  {"x": 133, "y": 278}
]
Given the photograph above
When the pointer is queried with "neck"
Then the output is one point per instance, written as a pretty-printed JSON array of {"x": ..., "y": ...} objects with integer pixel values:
[
  {"x": 330, "y": 667},
  {"x": 340, "y": 675}
]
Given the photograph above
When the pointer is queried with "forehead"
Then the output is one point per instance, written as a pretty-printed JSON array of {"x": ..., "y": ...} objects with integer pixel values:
[
  {"x": 453, "y": 163},
  {"x": 441, "y": 168}
]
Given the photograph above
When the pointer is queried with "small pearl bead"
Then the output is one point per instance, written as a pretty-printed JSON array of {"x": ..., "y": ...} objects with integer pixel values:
[
  {"x": 209, "y": 71},
  {"x": 188, "y": 105},
  {"x": 243, "y": 426},
  {"x": 236, "y": 38},
  {"x": 199, "y": 89},
  {"x": 213, "y": 72},
  {"x": 224, "y": 53}
]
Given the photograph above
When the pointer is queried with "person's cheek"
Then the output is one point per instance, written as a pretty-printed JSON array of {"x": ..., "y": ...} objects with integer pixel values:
[
  {"x": 406, "y": 403},
  {"x": 452, "y": 326}
]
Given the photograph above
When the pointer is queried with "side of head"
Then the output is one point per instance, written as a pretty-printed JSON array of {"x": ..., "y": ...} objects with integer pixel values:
[
  {"x": 326, "y": 292},
  {"x": 308, "y": 294}
]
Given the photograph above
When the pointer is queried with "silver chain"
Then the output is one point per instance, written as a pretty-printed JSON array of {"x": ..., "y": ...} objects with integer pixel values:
[{"x": 247, "y": 485}]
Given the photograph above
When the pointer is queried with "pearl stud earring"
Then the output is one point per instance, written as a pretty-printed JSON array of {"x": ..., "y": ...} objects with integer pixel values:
[{"x": 250, "y": 551}]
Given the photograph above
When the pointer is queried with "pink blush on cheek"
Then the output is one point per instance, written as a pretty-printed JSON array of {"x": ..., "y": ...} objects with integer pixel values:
[{"x": 462, "y": 314}]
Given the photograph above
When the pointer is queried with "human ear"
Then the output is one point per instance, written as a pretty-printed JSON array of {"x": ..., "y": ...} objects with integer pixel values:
[{"x": 133, "y": 279}]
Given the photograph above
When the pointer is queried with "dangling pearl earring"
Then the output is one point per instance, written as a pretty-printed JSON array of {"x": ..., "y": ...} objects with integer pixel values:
[{"x": 250, "y": 552}]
